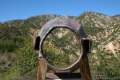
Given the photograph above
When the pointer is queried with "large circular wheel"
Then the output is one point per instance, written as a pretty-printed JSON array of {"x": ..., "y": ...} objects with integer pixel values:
[
  {"x": 62, "y": 48},
  {"x": 60, "y": 43}
]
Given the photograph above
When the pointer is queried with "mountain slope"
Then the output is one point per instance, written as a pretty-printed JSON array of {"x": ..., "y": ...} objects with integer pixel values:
[
  {"x": 105, "y": 34},
  {"x": 17, "y": 59}
]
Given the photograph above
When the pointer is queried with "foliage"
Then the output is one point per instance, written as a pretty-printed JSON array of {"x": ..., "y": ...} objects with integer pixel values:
[
  {"x": 26, "y": 57},
  {"x": 15, "y": 41}
]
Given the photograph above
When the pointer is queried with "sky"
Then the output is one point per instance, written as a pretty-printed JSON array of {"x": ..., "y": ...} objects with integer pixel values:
[{"x": 22, "y": 9}]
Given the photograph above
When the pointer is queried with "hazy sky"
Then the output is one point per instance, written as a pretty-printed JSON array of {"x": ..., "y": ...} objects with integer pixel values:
[{"x": 21, "y": 9}]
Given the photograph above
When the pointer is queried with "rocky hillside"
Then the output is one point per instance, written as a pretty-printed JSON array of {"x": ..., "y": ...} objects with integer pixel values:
[
  {"x": 105, "y": 34},
  {"x": 18, "y": 60}
]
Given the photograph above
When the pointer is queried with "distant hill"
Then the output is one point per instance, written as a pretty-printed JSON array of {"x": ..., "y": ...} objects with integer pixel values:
[
  {"x": 18, "y": 60},
  {"x": 105, "y": 34}
]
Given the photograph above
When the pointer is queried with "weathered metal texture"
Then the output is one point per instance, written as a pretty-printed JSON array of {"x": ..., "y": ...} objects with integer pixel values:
[
  {"x": 82, "y": 62},
  {"x": 64, "y": 22}
]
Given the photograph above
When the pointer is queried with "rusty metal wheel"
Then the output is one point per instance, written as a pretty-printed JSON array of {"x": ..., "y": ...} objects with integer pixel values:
[{"x": 60, "y": 43}]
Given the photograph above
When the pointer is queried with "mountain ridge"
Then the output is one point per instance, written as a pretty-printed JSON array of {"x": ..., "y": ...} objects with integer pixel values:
[{"x": 16, "y": 44}]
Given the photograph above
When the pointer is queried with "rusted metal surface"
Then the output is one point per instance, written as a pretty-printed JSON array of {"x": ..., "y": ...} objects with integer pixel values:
[
  {"x": 77, "y": 28},
  {"x": 61, "y": 22},
  {"x": 57, "y": 23}
]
